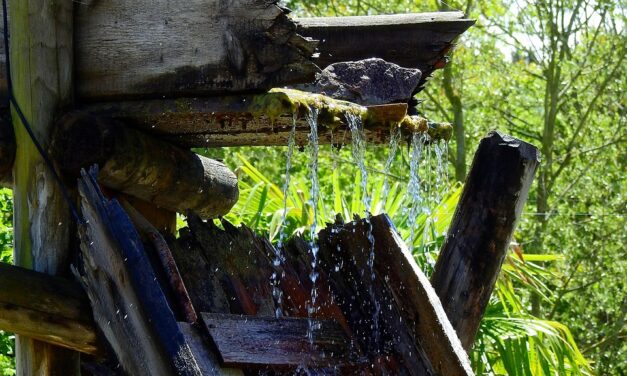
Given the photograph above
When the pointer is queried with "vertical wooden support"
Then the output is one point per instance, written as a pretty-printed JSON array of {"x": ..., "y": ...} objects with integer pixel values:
[
  {"x": 41, "y": 69},
  {"x": 470, "y": 261}
]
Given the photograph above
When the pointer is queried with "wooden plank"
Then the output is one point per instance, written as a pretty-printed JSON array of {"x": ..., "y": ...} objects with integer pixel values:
[
  {"x": 419, "y": 40},
  {"x": 476, "y": 244},
  {"x": 249, "y": 341},
  {"x": 417, "y": 300},
  {"x": 46, "y": 308},
  {"x": 345, "y": 256},
  {"x": 128, "y": 304},
  {"x": 259, "y": 120},
  {"x": 143, "y": 166},
  {"x": 41, "y": 53}
]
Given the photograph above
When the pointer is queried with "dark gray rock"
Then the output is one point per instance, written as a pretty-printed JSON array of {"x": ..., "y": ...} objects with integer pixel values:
[{"x": 367, "y": 82}]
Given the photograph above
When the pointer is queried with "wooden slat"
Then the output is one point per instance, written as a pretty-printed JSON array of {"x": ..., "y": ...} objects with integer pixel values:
[
  {"x": 128, "y": 304},
  {"x": 255, "y": 120},
  {"x": 476, "y": 244},
  {"x": 249, "y": 341},
  {"x": 46, "y": 308},
  {"x": 411, "y": 322}
]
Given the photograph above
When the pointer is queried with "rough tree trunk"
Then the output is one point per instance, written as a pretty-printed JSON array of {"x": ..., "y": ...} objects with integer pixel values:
[{"x": 42, "y": 65}]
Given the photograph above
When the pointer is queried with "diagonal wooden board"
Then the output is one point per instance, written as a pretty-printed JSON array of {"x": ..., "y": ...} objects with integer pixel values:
[
  {"x": 128, "y": 304},
  {"x": 252, "y": 341},
  {"x": 399, "y": 287}
]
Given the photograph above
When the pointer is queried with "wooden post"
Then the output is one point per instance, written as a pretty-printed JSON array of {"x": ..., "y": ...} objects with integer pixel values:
[
  {"x": 41, "y": 54},
  {"x": 471, "y": 257}
]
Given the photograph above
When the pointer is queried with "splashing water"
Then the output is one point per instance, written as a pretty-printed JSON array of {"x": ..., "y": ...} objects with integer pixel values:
[
  {"x": 279, "y": 258},
  {"x": 359, "y": 155},
  {"x": 395, "y": 137},
  {"x": 312, "y": 119},
  {"x": 414, "y": 188}
]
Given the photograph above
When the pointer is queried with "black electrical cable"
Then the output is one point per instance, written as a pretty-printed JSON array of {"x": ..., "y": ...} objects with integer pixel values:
[{"x": 26, "y": 124}]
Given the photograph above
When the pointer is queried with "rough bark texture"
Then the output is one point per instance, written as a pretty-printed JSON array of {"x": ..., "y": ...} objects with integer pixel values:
[
  {"x": 129, "y": 306},
  {"x": 46, "y": 308},
  {"x": 410, "y": 40},
  {"x": 158, "y": 48},
  {"x": 494, "y": 194},
  {"x": 143, "y": 166},
  {"x": 42, "y": 65}
]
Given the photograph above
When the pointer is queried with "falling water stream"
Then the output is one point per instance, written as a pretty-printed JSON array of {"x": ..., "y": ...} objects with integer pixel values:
[
  {"x": 395, "y": 137},
  {"x": 277, "y": 292},
  {"x": 312, "y": 119},
  {"x": 358, "y": 137},
  {"x": 414, "y": 188}
]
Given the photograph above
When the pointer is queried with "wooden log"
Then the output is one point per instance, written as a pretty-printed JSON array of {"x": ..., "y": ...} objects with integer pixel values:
[
  {"x": 41, "y": 52},
  {"x": 410, "y": 40},
  {"x": 476, "y": 244},
  {"x": 46, "y": 308},
  {"x": 143, "y": 166},
  {"x": 152, "y": 48},
  {"x": 129, "y": 307},
  {"x": 261, "y": 120},
  {"x": 249, "y": 341}
]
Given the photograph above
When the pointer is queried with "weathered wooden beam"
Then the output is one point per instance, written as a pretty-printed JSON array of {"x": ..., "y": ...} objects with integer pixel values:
[
  {"x": 419, "y": 40},
  {"x": 140, "y": 49},
  {"x": 261, "y": 120},
  {"x": 128, "y": 304},
  {"x": 249, "y": 341},
  {"x": 396, "y": 288},
  {"x": 46, "y": 308},
  {"x": 153, "y": 48},
  {"x": 41, "y": 53},
  {"x": 143, "y": 166},
  {"x": 477, "y": 241}
]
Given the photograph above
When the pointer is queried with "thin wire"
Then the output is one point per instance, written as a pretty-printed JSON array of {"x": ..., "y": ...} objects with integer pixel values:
[{"x": 25, "y": 122}]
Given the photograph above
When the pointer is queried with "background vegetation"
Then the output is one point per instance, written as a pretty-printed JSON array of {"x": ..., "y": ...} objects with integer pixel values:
[{"x": 551, "y": 72}]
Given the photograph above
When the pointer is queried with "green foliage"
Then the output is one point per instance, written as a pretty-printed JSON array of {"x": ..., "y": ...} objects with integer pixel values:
[{"x": 7, "y": 340}]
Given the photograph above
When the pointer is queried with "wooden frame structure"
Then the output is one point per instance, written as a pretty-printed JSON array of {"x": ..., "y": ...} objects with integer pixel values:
[{"x": 131, "y": 86}]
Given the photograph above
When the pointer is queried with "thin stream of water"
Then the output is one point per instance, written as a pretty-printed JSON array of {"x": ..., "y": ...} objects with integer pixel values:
[
  {"x": 279, "y": 258},
  {"x": 312, "y": 119},
  {"x": 358, "y": 138},
  {"x": 395, "y": 137},
  {"x": 414, "y": 187}
]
